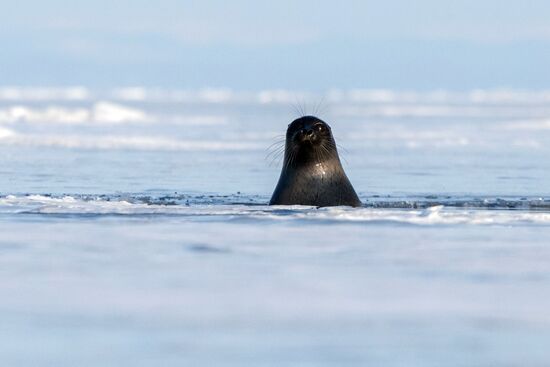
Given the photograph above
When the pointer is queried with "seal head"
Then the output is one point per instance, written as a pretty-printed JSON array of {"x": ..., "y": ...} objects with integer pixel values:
[{"x": 312, "y": 173}]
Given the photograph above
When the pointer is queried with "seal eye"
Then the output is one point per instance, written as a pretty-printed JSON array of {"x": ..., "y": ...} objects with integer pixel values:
[{"x": 320, "y": 128}]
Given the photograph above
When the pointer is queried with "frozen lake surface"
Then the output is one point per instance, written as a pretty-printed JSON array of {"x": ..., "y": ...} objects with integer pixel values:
[{"x": 135, "y": 230}]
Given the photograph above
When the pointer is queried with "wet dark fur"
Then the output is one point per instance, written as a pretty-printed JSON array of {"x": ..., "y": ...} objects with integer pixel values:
[{"x": 312, "y": 173}]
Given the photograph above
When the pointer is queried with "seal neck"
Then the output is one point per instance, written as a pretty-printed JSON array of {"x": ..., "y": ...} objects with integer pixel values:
[{"x": 312, "y": 161}]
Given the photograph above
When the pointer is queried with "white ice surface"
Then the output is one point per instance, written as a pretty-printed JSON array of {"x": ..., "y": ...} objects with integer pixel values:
[{"x": 168, "y": 291}]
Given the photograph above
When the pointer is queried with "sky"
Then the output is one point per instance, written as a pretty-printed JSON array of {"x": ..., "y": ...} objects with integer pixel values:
[{"x": 308, "y": 45}]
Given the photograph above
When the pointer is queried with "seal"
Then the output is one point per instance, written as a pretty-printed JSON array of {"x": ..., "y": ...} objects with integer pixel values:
[{"x": 312, "y": 173}]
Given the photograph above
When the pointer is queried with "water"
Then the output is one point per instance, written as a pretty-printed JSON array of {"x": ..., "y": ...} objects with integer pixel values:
[{"x": 135, "y": 230}]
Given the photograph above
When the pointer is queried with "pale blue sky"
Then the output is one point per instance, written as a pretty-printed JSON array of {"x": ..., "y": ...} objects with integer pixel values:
[{"x": 309, "y": 45}]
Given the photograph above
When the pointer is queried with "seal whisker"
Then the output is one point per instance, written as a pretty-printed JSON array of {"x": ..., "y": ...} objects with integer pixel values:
[
  {"x": 342, "y": 148},
  {"x": 276, "y": 144},
  {"x": 343, "y": 156},
  {"x": 325, "y": 151},
  {"x": 296, "y": 109},
  {"x": 318, "y": 105},
  {"x": 323, "y": 108},
  {"x": 276, "y": 158},
  {"x": 286, "y": 163},
  {"x": 300, "y": 107},
  {"x": 343, "y": 151},
  {"x": 279, "y": 144},
  {"x": 293, "y": 154},
  {"x": 274, "y": 153},
  {"x": 320, "y": 153}
]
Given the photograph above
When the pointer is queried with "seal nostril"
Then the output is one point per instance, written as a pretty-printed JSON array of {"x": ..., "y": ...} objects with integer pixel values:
[{"x": 309, "y": 132}]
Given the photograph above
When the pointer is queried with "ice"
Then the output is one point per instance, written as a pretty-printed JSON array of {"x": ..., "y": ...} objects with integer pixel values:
[
  {"x": 114, "y": 290},
  {"x": 473, "y": 212},
  {"x": 114, "y": 113},
  {"x": 135, "y": 229},
  {"x": 6, "y": 133},
  {"x": 43, "y": 94},
  {"x": 101, "y": 112},
  {"x": 285, "y": 96}
]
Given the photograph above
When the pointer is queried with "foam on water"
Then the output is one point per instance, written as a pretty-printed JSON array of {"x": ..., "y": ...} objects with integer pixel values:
[{"x": 412, "y": 211}]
